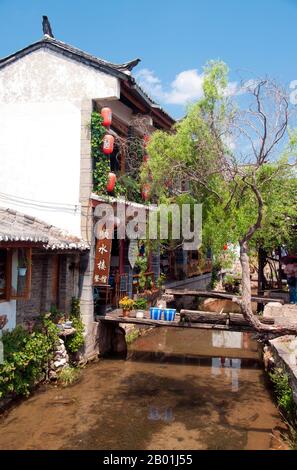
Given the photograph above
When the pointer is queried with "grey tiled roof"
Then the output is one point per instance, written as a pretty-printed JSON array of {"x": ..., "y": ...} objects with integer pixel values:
[
  {"x": 121, "y": 71},
  {"x": 18, "y": 227}
]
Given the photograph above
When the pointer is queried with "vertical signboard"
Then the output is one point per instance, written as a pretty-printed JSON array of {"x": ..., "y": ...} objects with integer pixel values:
[{"x": 102, "y": 260}]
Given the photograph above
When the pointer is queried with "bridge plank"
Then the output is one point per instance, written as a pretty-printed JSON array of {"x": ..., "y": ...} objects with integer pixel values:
[
  {"x": 195, "y": 316},
  {"x": 116, "y": 318},
  {"x": 218, "y": 295}
]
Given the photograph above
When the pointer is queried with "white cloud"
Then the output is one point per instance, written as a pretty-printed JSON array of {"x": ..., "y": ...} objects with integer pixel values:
[{"x": 186, "y": 87}]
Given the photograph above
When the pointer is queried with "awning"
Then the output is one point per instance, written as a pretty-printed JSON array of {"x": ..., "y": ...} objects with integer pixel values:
[{"x": 16, "y": 227}]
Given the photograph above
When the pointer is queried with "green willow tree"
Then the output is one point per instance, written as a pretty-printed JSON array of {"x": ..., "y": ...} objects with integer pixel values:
[{"x": 225, "y": 155}]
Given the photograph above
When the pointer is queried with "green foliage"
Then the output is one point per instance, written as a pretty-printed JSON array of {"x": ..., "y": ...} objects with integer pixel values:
[
  {"x": 26, "y": 357},
  {"x": 101, "y": 161},
  {"x": 69, "y": 375},
  {"x": 231, "y": 284},
  {"x": 100, "y": 175},
  {"x": 132, "y": 336},
  {"x": 141, "y": 303},
  {"x": 55, "y": 314},
  {"x": 192, "y": 154},
  {"x": 129, "y": 187},
  {"x": 142, "y": 263},
  {"x": 161, "y": 281},
  {"x": 75, "y": 307},
  {"x": 284, "y": 393},
  {"x": 149, "y": 282},
  {"x": 74, "y": 343},
  {"x": 216, "y": 268},
  {"x": 98, "y": 132},
  {"x": 126, "y": 185}
]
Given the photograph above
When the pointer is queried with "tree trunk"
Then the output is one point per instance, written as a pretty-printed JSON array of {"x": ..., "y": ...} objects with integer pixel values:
[
  {"x": 246, "y": 303},
  {"x": 261, "y": 276}
]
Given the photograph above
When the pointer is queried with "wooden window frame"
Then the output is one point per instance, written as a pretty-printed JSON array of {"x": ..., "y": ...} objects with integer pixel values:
[
  {"x": 6, "y": 293},
  {"x": 9, "y": 295}
]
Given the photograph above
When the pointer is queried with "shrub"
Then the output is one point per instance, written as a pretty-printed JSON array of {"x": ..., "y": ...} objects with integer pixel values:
[
  {"x": 26, "y": 357},
  {"x": 132, "y": 336},
  {"x": 75, "y": 342},
  {"x": 231, "y": 284},
  {"x": 69, "y": 375},
  {"x": 216, "y": 268},
  {"x": 284, "y": 393}
]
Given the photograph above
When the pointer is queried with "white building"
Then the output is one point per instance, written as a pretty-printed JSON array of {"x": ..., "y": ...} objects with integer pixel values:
[{"x": 48, "y": 91}]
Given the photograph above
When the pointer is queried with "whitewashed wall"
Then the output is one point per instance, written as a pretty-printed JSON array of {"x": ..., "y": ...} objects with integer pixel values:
[{"x": 40, "y": 129}]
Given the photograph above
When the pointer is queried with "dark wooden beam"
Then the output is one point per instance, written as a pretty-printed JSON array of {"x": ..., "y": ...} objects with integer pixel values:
[
  {"x": 129, "y": 94},
  {"x": 20, "y": 244},
  {"x": 119, "y": 126},
  {"x": 218, "y": 295},
  {"x": 194, "y": 316}
]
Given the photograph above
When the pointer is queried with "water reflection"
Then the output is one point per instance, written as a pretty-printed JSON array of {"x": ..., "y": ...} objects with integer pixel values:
[
  {"x": 230, "y": 339},
  {"x": 157, "y": 414},
  {"x": 229, "y": 367}
]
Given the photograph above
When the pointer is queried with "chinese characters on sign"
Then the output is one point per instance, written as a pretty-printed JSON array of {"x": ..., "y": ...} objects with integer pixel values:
[{"x": 102, "y": 260}]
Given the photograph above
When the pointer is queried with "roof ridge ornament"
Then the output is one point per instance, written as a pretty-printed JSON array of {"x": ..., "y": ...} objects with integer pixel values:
[
  {"x": 130, "y": 65},
  {"x": 46, "y": 26}
]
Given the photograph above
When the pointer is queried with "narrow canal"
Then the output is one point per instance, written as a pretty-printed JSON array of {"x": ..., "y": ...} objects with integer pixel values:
[{"x": 178, "y": 389}]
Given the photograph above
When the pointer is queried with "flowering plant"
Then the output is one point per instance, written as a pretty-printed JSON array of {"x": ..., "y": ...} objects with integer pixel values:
[{"x": 126, "y": 303}]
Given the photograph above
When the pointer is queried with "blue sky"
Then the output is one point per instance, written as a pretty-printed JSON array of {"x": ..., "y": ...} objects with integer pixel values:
[{"x": 174, "y": 38}]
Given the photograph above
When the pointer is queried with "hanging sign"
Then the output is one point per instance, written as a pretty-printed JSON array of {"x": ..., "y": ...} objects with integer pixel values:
[
  {"x": 133, "y": 252},
  {"x": 102, "y": 260}
]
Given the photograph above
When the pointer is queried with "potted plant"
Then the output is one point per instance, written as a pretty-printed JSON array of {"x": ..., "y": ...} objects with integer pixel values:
[
  {"x": 141, "y": 307},
  {"x": 127, "y": 305}
]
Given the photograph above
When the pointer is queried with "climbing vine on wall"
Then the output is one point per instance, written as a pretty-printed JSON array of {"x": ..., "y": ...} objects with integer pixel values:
[
  {"x": 127, "y": 185},
  {"x": 101, "y": 161}
]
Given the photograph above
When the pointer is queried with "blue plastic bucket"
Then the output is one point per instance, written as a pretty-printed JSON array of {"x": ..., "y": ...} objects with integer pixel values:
[
  {"x": 169, "y": 314},
  {"x": 155, "y": 313}
]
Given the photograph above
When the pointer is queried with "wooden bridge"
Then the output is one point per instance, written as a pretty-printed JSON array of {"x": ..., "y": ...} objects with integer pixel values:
[
  {"x": 189, "y": 319},
  {"x": 110, "y": 323}
]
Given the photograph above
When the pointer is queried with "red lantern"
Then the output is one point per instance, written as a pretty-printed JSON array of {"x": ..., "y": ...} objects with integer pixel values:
[
  {"x": 146, "y": 139},
  {"x": 225, "y": 247},
  {"x": 146, "y": 158},
  {"x": 146, "y": 192},
  {"x": 106, "y": 113},
  {"x": 108, "y": 143},
  {"x": 111, "y": 182}
]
